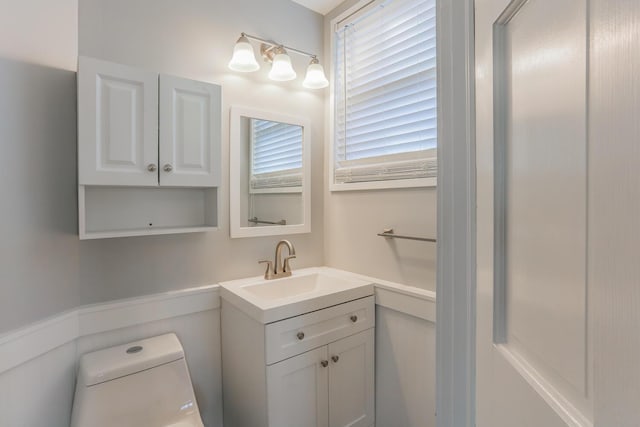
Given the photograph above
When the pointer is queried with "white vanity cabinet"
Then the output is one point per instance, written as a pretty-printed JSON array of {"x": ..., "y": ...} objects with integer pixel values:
[
  {"x": 148, "y": 151},
  {"x": 328, "y": 386},
  {"x": 312, "y": 370},
  {"x": 298, "y": 390}
]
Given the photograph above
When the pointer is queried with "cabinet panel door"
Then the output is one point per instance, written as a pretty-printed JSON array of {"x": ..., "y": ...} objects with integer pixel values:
[
  {"x": 190, "y": 117},
  {"x": 351, "y": 381},
  {"x": 117, "y": 124},
  {"x": 297, "y": 391}
]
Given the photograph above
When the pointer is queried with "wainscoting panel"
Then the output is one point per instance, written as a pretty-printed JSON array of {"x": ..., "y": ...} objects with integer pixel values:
[
  {"x": 40, "y": 391},
  {"x": 38, "y": 363},
  {"x": 405, "y": 370}
]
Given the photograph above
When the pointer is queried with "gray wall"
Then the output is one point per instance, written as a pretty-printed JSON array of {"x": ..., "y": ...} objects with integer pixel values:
[
  {"x": 40, "y": 257},
  {"x": 44, "y": 268},
  {"x": 353, "y": 218}
]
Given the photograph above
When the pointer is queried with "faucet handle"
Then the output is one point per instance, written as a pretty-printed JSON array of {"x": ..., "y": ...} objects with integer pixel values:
[
  {"x": 287, "y": 267},
  {"x": 268, "y": 274}
]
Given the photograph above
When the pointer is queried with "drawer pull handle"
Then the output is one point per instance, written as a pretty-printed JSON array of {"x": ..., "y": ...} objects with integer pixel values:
[
  {"x": 335, "y": 358},
  {"x": 354, "y": 318},
  {"x": 300, "y": 335},
  {"x": 324, "y": 363}
]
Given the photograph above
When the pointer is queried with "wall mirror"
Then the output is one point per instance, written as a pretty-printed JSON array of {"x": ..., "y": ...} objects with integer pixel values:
[{"x": 270, "y": 175}]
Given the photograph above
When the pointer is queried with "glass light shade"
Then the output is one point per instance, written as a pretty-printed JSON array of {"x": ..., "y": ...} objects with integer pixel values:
[
  {"x": 315, "y": 78},
  {"x": 281, "y": 69},
  {"x": 244, "y": 59}
]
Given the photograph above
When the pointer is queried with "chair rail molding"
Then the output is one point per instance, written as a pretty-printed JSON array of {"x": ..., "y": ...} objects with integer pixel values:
[
  {"x": 19, "y": 346},
  {"x": 29, "y": 342}
]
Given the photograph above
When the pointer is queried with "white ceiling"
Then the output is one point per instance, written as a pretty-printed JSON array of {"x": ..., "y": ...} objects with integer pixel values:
[{"x": 320, "y": 6}]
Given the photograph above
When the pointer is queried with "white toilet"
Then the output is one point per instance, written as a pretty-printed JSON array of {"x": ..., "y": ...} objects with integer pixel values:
[{"x": 141, "y": 384}]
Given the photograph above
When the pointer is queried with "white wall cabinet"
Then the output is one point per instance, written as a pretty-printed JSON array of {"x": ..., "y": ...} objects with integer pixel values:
[
  {"x": 120, "y": 110},
  {"x": 313, "y": 370},
  {"x": 148, "y": 152},
  {"x": 189, "y": 132},
  {"x": 117, "y": 124}
]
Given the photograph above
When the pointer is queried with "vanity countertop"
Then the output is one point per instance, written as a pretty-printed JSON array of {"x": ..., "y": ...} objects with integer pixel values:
[{"x": 306, "y": 290}]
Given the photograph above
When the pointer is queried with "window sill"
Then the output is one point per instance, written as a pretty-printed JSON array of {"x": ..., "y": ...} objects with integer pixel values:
[
  {"x": 276, "y": 190},
  {"x": 384, "y": 185}
]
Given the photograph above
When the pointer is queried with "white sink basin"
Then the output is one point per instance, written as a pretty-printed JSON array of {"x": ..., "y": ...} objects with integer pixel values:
[
  {"x": 304, "y": 291},
  {"x": 296, "y": 285}
]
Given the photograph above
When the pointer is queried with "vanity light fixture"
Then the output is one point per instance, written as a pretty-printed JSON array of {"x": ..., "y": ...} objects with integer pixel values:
[
  {"x": 281, "y": 69},
  {"x": 315, "y": 78},
  {"x": 244, "y": 60}
]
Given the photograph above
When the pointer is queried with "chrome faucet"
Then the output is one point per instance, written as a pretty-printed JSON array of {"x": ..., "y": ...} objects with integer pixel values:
[{"x": 281, "y": 268}]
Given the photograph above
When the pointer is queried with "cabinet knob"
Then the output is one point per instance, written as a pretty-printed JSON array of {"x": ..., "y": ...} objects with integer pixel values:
[
  {"x": 152, "y": 167},
  {"x": 335, "y": 358},
  {"x": 324, "y": 363},
  {"x": 354, "y": 318},
  {"x": 167, "y": 168},
  {"x": 300, "y": 335}
]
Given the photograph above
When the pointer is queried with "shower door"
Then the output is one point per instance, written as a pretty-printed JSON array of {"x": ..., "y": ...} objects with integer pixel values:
[{"x": 533, "y": 353}]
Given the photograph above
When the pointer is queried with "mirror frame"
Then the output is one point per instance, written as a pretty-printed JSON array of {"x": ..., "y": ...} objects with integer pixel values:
[{"x": 236, "y": 230}]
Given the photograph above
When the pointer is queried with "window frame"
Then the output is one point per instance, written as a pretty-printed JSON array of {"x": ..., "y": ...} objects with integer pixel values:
[{"x": 361, "y": 7}]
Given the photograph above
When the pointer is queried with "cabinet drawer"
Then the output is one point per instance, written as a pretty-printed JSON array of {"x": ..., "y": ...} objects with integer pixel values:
[{"x": 302, "y": 333}]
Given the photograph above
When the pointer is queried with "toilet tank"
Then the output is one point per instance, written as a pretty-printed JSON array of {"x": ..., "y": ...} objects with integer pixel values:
[{"x": 143, "y": 383}]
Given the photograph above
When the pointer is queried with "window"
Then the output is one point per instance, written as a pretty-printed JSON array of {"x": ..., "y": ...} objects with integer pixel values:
[
  {"x": 276, "y": 160},
  {"x": 384, "y": 113}
]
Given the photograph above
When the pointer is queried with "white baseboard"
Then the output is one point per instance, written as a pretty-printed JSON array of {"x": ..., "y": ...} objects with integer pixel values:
[{"x": 19, "y": 346}]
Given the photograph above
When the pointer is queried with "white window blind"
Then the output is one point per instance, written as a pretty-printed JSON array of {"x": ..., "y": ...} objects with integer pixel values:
[
  {"x": 276, "y": 160},
  {"x": 385, "y": 119}
]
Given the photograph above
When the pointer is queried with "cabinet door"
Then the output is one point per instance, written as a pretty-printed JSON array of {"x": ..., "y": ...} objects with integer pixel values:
[
  {"x": 190, "y": 116},
  {"x": 297, "y": 391},
  {"x": 117, "y": 124},
  {"x": 351, "y": 381}
]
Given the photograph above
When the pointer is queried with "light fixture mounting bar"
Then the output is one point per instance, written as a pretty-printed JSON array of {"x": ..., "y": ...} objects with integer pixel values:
[{"x": 271, "y": 43}]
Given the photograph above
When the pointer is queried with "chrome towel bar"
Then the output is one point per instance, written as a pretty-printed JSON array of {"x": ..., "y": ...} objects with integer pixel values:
[
  {"x": 255, "y": 220},
  {"x": 389, "y": 234}
]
